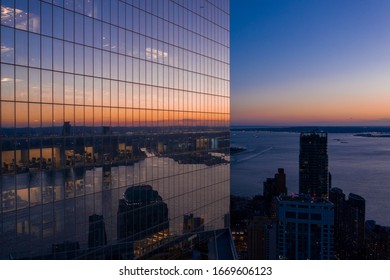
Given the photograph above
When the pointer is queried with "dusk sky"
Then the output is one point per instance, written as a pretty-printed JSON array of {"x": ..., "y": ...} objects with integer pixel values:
[{"x": 310, "y": 62}]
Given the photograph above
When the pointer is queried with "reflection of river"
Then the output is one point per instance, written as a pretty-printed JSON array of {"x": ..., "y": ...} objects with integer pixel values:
[{"x": 65, "y": 200}]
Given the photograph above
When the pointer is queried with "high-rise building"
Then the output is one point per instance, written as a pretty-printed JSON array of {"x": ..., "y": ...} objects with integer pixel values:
[
  {"x": 313, "y": 164},
  {"x": 114, "y": 128},
  {"x": 272, "y": 188},
  {"x": 377, "y": 241},
  {"x": 349, "y": 230},
  {"x": 305, "y": 228},
  {"x": 275, "y": 186},
  {"x": 262, "y": 234}
]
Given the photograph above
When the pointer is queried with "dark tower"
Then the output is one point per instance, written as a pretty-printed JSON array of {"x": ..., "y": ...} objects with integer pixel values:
[
  {"x": 97, "y": 231},
  {"x": 349, "y": 225},
  {"x": 313, "y": 164},
  {"x": 356, "y": 216}
]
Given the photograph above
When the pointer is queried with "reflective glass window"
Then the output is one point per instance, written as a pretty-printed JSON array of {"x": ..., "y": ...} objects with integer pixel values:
[
  {"x": 79, "y": 90},
  {"x": 106, "y": 64},
  {"x": 142, "y": 22},
  {"x": 58, "y": 88},
  {"x": 69, "y": 4},
  {"x": 58, "y": 22},
  {"x": 97, "y": 31},
  {"x": 47, "y": 86},
  {"x": 79, "y": 116},
  {"x": 106, "y": 117},
  {"x": 129, "y": 43},
  {"x": 21, "y": 86},
  {"x": 97, "y": 123},
  {"x": 47, "y": 49},
  {"x": 129, "y": 95},
  {"x": 69, "y": 25},
  {"x": 58, "y": 116},
  {"x": 114, "y": 94},
  {"x": 114, "y": 66},
  {"x": 7, "y": 45},
  {"x": 69, "y": 114},
  {"x": 69, "y": 89},
  {"x": 79, "y": 29},
  {"x": 59, "y": 2},
  {"x": 34, "y": 118},
  {"x": 69, "y": 57},
  {"x": 135, "y": 71},
  {"x": 122, "y": 94},
  {"x": 34, "y": 50},
  {"x": 97, "y": 11},
  {"x": 8, "y": 12},
  {"x": 88, "y": 91},
  {"x": 88, "y": 113},
  {"x": 58, "y": 55},
  {"x": 122, "y": 41},
  {"x": 122, "y": 68},
  {"x": 97, "y": 63},
  {"x": 21, "y": 14},
  {"x": 106, "y": 95},
  {"x": 88, "y": 31},
  {"x": 79, "y": 59},
  {"x": 47, "y": 19},
  {"x": 106, "y": 37},
  {"x": 21, "y": 47},
  {"x": 21, "y": 114},
  {"x": 79, "y": 6},
  {"x": 88, "y": 61},
  {"x": 7, "y": 120},
  {"x": 34, "y": 16},
  {"x": 34, "y": 85},
  {"x": 136, "y": 23},
  {"x": 97, "y": 91},
  {"x": 129, "y": 69},
  {"x": 122, "y": 14},
  {"x": 7, "y": 82},
  {"x": 88, "y": 8},
  {"x": 106, "y": 10},
  {"x": 114, "y": 12}
]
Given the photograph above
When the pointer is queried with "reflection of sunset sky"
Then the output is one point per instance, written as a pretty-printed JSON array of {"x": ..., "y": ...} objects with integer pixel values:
[
  {"x": 56, "y": 115},
  {"x": 311, "y": 62},
  {"x": 129, "y": 80}
]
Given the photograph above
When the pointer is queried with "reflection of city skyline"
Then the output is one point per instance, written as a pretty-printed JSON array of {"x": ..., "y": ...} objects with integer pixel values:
[{"x": 85, "y": 172}]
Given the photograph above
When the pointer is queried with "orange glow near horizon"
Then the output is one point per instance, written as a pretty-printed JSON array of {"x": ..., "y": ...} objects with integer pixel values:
[
  {"x": 335, "y": 108},
  {"x": 102, "y": 116}
]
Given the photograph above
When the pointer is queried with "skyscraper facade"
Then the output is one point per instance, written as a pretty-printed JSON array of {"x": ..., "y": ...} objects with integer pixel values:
[
  {"x": 114, "y": 127},
  {"x": 313, "y": 164},
  {"x": 349, "y": 231},
  {"x": 305, "y": 228}
]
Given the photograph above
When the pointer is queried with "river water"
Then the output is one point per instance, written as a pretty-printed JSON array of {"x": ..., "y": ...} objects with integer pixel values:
[{"x": 359, "y": 165}]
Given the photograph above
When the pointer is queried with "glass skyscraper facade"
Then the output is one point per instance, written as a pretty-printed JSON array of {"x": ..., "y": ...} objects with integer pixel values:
[{"x": 114, "y": 127}]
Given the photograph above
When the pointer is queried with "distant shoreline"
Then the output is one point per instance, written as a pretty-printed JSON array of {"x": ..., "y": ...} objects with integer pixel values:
[
  {"x": 363, "y": 131},
  {"x": 375, "y": 135}
]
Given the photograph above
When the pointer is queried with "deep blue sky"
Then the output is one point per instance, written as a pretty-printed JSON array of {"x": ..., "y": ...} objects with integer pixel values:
[{"x": 310, "y": 61}]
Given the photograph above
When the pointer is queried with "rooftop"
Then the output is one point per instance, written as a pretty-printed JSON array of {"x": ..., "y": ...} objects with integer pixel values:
[{"x": 303, "y": 198}]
